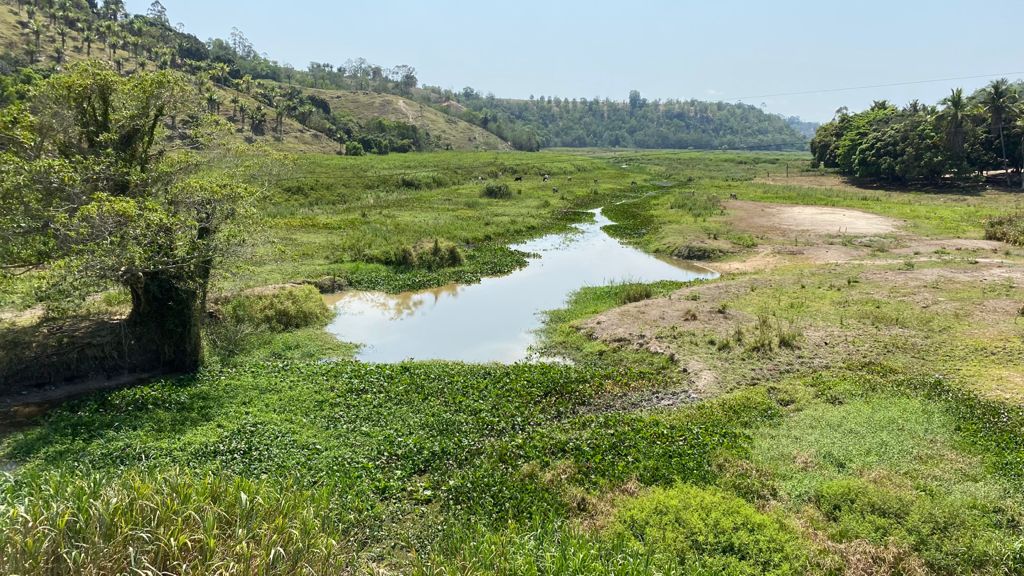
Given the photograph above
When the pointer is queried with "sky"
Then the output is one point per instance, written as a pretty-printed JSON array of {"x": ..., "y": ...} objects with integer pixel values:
[{"x": 760, "y": 52}]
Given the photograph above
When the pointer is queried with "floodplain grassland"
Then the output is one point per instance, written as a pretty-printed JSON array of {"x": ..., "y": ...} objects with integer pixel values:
[{"x": 849, "y": 414}]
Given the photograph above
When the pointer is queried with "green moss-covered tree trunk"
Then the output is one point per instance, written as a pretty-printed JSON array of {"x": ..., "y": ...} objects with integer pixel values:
[{"x": 166, "y": 321}]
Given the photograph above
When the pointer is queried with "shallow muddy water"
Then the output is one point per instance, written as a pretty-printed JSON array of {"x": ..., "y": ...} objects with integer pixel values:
[{"x": 495, "y": 320}]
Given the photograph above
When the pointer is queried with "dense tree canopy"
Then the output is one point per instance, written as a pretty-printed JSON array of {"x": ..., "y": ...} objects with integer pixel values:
[
  {"x": 637, "y": 123},
  {"x": 962, "y": 136},
  {"x": 92, "y": 195}
]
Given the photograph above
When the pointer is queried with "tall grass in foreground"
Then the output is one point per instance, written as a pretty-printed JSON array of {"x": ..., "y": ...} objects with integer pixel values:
[{"x": 170, "y": 522}]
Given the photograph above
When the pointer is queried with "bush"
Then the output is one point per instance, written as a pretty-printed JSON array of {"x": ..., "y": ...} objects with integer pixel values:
[
  {"x": 631, "y": 293},
  {"x": 277, "y": 310},
  {"x": 710, "y": 531},
  {"x": 861, "y": 510},
  {"x": 428, "y": 255},
  {"x": 497, "y": 191},
  {"x": 354, "y": 148},
  {"x": 1009, "y": 229},
  {"x": 951, "y": 533}
]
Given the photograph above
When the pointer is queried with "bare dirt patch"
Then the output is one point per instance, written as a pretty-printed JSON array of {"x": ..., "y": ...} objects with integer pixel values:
[{"x": 823, "y": 220}]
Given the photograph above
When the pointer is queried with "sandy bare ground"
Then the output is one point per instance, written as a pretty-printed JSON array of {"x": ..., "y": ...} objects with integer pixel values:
[{"x": 755, "y": 217}]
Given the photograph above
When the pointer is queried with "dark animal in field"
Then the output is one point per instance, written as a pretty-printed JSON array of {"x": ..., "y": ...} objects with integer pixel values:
[
  {"x": 633, "y": 184},
  {"x": 555, "y": 189},
  {"x": 733, "y": 197},
  {"x": 519, "y": 178},
  {"x": 570, "y": 178},
  {"x": 480, "y": 178},
  {"x": 546, "y": 177}
]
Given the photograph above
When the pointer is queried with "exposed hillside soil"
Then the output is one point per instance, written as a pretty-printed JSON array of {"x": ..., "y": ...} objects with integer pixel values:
[{"x": 453, "y": 132}]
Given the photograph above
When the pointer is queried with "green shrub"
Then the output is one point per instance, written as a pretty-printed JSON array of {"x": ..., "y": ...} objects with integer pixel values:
[
  {"x": 280, "y": 310},
  {"x": 497, "y": 191},
  {"x": 427, "y": 255},
  {"x": 710, "y": 531},
  {"x": 951, "y": 533},
  {"x": 631, "y": 293},
  {"x": 354, "y": 148},
  {"x": 1008, "y": 228},
  {"x": 861, "y": 510}
]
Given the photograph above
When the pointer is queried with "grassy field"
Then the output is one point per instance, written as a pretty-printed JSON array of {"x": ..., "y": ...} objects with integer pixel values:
[{"x": 837, "y": 416}]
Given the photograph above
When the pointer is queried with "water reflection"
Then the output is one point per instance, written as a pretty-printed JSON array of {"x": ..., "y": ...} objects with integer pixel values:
[
  {"x": 495, "y": 320},
  {"x": 394, "y": 306}
]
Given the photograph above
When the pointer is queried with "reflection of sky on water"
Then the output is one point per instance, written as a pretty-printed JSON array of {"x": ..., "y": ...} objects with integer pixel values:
[{"x": 494, "y": 321}]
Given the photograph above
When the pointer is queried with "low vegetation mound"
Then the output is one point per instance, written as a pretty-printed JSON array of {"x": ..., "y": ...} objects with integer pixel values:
[
  {"x": 497, "y": 192},
  {"x": 709, "y": 531},
  {"x": 1008, "y": 228}
]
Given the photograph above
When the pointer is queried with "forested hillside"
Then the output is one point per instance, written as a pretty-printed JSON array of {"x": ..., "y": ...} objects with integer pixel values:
[
  {"x": 963, "y": 137},
  {"x": 636, "y": 123},
  {"x": 266, "y": 101},
  {"x": 348, "y": 103}
]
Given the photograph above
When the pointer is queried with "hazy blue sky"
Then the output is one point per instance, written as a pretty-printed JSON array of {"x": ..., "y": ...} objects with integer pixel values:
[{"x": 714, "y": 49}]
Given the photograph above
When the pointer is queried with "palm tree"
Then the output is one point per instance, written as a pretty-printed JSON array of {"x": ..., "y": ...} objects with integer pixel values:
[
  {"x": 87, "y": 40},
  {"x": 1018, "y": 127},
  {"x": 243, "y": 109},
  {"x": 258, "y": 119},
  {"x": 62, "y": 31},
  {"x": 213, "y": 103},
  {"x": 954, "y": 118},
  {"x": 997, "y": 98},
  {"x": 37, "y": 31},
  {"x": 235, "y": 101},
  {"x": 220, "y": 71}
]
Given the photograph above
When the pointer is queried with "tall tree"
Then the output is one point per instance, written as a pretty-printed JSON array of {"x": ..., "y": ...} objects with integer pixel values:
[
  {"x": 955, "y": 122},
  {"x": 998, "y": 99},
  {"x": 89, "y": 196}
]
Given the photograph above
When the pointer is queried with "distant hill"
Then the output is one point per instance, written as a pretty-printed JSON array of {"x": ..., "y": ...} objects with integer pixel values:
[
  {"x": 806, "y": 129},
  {"x": 360, "y": 107},
  {"x": 448, "y": 131},
  {"x": 45, "y": 39}
]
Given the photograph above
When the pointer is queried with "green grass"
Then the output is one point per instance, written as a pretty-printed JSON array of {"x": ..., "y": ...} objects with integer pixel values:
[{"x": 561, "y": 338}]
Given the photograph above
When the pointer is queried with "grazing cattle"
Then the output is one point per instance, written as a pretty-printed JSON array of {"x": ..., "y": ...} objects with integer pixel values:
[
  {"x": 480, "y": 178},
  {"x": 555, "y": 189},
  {"x": 633, "y": 184},
  {"x": 519, "y": 178},
  {"x": 546, "y": 177},
  {"x": 570, "y": 178},
  {"x": 733, "y": 197}
]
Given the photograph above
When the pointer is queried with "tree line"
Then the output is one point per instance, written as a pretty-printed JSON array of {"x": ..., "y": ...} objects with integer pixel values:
[
  {"x": 963, "y": 137},
  {"x": 634, "y": 123},
  {"x": 135, "y": 42}
]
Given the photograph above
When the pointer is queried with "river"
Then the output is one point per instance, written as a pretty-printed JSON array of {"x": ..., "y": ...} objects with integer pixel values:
[{"x": 496, "y": 319}]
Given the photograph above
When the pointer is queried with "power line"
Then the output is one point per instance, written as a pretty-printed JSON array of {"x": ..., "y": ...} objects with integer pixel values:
[{"x": 910, "y": 83}]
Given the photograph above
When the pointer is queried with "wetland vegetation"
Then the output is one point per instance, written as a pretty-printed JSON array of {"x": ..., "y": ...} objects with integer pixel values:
[{"x": 844, "y": 395}]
